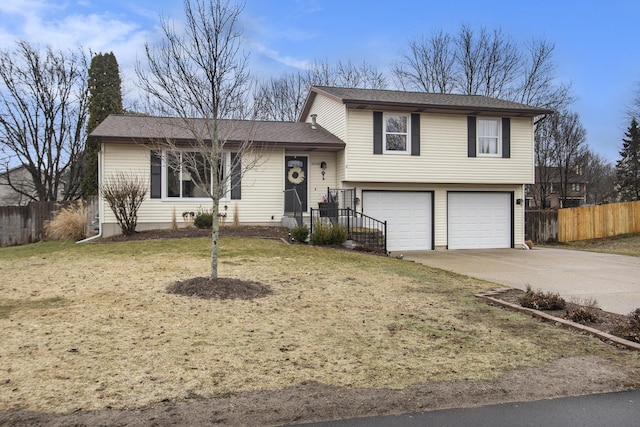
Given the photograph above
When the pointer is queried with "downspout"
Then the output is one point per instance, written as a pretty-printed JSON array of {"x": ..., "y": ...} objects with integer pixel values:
[
  {"x": 100, "y": 216},
  {"x": 524, "y": 219}
]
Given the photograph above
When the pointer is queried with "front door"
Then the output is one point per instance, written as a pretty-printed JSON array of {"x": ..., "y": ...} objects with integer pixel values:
[{"x": 295, "y": 178}]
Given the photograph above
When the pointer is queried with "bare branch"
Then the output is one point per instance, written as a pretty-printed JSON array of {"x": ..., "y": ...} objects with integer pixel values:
[{"x": 43, "y": 111}]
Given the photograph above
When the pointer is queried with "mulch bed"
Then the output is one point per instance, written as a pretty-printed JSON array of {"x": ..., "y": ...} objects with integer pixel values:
[
  {"x": 606, "y": 322},
  {"x": 220, "y": 288},
  {"x": 264, "y": 232}
]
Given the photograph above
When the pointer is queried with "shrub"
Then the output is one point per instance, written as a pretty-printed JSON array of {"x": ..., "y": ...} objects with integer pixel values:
[
  {"x": 583, "y": 315},
  {"x": 630, "y": 328},
  {"x": 125, "y": 193},
  {"x": 300, "y": 233},
  {"x": 69, "y": 223},
  {"x": 321, "y": 233},
  {"x": 325, "y": 233},
  {"x": 539, "y": 300},
  {"x": 203, "y": 218},
  {"x": 339, "y": 234}
]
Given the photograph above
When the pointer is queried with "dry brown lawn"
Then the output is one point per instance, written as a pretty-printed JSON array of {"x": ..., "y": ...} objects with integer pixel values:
[
  {"x": 626, "y": 244},
  {"x": 92, "y": 326}
]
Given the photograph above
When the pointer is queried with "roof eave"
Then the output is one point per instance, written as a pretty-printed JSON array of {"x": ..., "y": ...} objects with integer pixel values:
[
  {"x": 440, "y": 108},
  {"x": 304, "y": 146}
]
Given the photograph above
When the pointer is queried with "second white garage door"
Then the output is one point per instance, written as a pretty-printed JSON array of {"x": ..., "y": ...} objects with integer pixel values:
[
  {"x": 408, "y": 215},
  {"x": 479, "y": 220}
]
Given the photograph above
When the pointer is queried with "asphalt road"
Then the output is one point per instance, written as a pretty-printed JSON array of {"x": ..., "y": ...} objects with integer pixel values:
[{"x": 596, "y": 410}]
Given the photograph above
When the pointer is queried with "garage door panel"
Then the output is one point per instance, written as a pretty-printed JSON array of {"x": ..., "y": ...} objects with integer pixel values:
[
  {"x": 479, "y": 220},
  {"x": 408, "y": 216}
]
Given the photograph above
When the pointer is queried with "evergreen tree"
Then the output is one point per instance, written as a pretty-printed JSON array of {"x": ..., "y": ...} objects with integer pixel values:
[
  {"x": 105, "y": 97},
  {"x": 628, "y": 167}
]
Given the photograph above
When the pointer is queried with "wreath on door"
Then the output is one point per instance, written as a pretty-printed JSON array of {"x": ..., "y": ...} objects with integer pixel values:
[{"x": 295, "y": 175}]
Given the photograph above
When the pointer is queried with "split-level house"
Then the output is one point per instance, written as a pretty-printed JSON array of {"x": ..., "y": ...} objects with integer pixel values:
[{"x": 443, "y": 171}]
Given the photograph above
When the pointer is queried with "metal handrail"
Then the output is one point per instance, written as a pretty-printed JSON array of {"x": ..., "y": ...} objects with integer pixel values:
[
  {"x": 297, "y": 207},
  {"x": 363, "y": 229}
]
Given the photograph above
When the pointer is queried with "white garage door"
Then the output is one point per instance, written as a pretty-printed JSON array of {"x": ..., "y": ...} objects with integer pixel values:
[
  {"x": 408, "y": 215},
  {"x": 479, "y": 220}
]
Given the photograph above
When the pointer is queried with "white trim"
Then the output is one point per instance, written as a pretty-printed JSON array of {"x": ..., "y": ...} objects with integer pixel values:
[{"x": 407, "y": 147}]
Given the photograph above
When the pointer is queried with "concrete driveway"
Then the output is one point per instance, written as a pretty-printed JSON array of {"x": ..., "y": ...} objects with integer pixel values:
[{"x": 612, "y": 280}]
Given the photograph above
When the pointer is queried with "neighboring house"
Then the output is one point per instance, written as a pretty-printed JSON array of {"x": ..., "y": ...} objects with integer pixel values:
[
  {"x": 549, "y": 182},
  {"x": 16, "y": 178},
  {"x": 444, "y": 171}
]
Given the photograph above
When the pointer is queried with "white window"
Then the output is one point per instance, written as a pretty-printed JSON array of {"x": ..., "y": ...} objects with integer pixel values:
[
  {"x": 489, "y": 137},
  {"x": 183, "y": 169},
  {"x": 396, "y": 133},
  {"x": 575, "y": 187}
]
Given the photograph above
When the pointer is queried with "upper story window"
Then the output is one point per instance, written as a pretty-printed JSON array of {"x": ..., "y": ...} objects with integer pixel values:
[
  {"x": 489, "y": 137},
  {"x": 396, "y": 133}
]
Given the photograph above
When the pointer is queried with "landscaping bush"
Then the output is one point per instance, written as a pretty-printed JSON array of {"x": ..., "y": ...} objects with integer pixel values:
[
  {"x": 325, "y": 233},
  {"x": 125, "y": 192},
  {"x": 630, "y": 328},
  {"x": 583, "y": 315},
  {"x": 69, "y": 223},
  {"x": 539, "y": 300},
  {"x": 339, "y": 234},
  {"x": 300, "y": 233},
  {"x": 203, "y": 218}
]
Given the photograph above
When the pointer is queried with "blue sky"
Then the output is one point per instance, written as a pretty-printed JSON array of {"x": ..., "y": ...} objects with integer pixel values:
[{"x": 596, "y": 45}]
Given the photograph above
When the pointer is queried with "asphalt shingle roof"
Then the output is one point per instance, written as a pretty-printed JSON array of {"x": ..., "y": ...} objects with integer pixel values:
[
  {"x": 132, "y": 128},
  {"x": 421, "y": 101}
]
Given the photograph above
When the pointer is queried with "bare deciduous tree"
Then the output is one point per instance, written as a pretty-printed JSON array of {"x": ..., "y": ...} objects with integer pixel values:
[
  {"x": 125, "y": 192},
  {"x": 428, "y": 65},
  {"x": 282, "y": 98},
  {"x": 568, "y": 136},
  {"x": 482, "y": 63},
  {"x": 202, "y": 73},
  {"x": 43, "y": 113},
  {"x": 600, "y": 176},
  {"x": 544, "y": 149}
]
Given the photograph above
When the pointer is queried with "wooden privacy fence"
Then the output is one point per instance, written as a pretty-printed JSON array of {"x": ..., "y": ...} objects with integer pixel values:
[
  {"x": 541, "y": 226},
  {"x": 592, "y": 222},
  {"x": 20, "y": 225}
]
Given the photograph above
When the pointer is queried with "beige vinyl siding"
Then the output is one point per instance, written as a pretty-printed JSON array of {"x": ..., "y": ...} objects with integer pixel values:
[
  {"x": 261, "y": 203},
  {"x": 440, "y": 203},
  {"x": 444, "y": 155},
  {"x": 331, "y": 115}
]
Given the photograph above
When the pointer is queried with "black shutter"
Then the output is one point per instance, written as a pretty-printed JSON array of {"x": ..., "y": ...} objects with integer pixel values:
[
  {"x": 471, "y": 135},
  {"x": 415, "y": 134},
  {"x": 156, "y": 175},
  {"x": 236, "y": 177},
  {"x": 506, "y": 137},
  {"x": 377, "y": 132}
]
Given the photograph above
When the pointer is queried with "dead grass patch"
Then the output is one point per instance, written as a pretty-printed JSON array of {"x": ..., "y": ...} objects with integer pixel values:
[
  {"x": 625, "y": 244},
  {"x": 340, "y": 318}
]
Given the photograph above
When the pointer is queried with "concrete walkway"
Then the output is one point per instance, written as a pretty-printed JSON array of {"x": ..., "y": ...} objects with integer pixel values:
[{"x": 612, "y": 280}]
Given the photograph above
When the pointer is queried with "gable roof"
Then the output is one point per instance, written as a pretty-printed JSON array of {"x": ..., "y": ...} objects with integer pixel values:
[
  {"x": 146, "y": 129},
  {"x": 372, "y": 99}
]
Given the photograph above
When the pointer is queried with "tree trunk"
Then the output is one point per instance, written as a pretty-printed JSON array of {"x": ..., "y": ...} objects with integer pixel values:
[{"x": 215, "y": 235}]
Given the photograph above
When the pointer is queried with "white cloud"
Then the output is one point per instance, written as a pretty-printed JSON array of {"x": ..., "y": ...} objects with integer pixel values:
[{"x": 286, "y": 60}]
